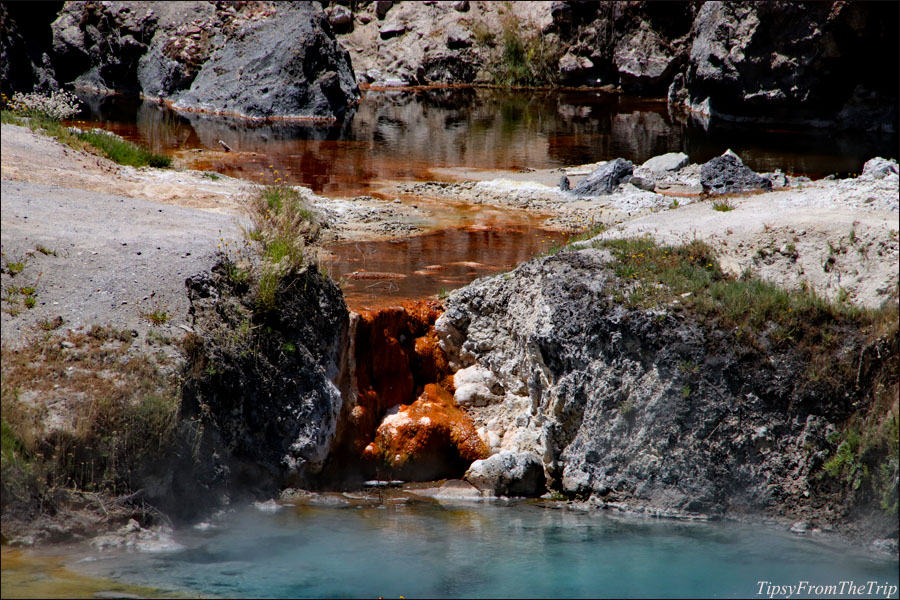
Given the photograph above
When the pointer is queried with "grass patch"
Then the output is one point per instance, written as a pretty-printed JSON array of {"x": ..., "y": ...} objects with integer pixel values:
[
  {"x": 211, "y": 175},
  {"x": 13, "y": 267},
  {"x": 723, "y": 205},
  {"x": 157, "y": 316},
  {"x": 44, "y": 117},
  {"x": 593, "y": 230},
  {"x": 123, "y": 151},
  {"x": 10, "y": 118},
  {"x": 283, "y": 226},
  {"x": 51, "y": 324},
  {"x": 45, "y": 251},
  {"x": 690, "y": 273}
]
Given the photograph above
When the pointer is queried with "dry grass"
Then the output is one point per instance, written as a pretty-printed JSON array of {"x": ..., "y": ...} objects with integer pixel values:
[
  {"x": 284, "y": 226},
  {"x": 82, "y": 411}
]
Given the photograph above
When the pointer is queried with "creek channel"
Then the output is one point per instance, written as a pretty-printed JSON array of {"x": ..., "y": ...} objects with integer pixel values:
[
  {"x": 396, "y": 137},
  {"x": 351, "y": 545}
]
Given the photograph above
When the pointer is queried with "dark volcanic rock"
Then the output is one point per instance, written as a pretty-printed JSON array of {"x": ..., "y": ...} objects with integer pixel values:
[
  {"x": 263, "y": 383},
  {"x": 449, "y": 66},
  {"x": 727, "y": 174},
  {"x": 790, "y": 62},
  {"x": 290, "y": 66},
  {"x": 509, "y": 474},
  {"x": 655, "y": 408},
  {"x": 247, "y": 59},
  {"x": 98, "y": 45},
  {"x": 637, "y": 45},
  {"x": 605, "y": 179},
  {"x": 25, "y": 47}
]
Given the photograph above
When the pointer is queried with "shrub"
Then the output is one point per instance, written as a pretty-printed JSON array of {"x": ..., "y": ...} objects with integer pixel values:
[
  {"x": 283, "y": 226},
  {"x": 57, "y": 106},
  {"x": 526, "y": 58},
  {"x": 120, "y": 419},
  {"x": 723, "y": 205}
]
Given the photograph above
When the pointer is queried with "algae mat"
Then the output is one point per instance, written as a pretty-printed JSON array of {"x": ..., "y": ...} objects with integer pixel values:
[{"x": 27, "y": 574}]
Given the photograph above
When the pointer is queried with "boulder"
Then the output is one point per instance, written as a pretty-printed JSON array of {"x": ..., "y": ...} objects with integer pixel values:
[
  {"x": 382, "y": 7},
  {"x": 671, "y": 161},
  {"x": 644, "y": 406},
  {"x": 605, "y": 179},
  {"x": 269, "y": 416},
  {"x": 457, "y": 37},
  {"x": 573, "y": 69},
  {"x": 98, "y": 45},
  {"x": 643, "y": 183},
  {"x": 290, "y": 66},
  {"x": 645, "y": 63},
  {"x": 392, "y": 29},
  {"x": 448, "y": 66},
  {"x": 879, "y": 168},
  {"x": 460, "y": 5},
  {"x": 727, "y": 174},
  {"x": 426, "y": 440},
  {"x": 340, "y": 18},
  {"x": 509, "y": 474}
]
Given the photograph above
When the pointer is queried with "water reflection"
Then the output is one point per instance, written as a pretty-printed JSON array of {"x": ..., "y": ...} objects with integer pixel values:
[
  {"x": 401, "y": 135},
  {"x": 382, "y": 273}
]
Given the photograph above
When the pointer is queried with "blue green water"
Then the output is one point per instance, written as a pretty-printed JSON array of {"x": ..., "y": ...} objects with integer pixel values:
[{"x": 524, "y": 551}]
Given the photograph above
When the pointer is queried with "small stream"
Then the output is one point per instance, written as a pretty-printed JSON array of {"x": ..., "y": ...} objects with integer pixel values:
[{"x": 396, "y": 136}]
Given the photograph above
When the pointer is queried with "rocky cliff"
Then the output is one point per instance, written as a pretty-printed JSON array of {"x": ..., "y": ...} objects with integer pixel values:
[
  {"x": 799, "y": 63},
  {"x": 660, "y": 409},
  {"x": 777, "y": 62},
  {"x": 253, "y": 59},
  {"x": 784, "y": 63}
]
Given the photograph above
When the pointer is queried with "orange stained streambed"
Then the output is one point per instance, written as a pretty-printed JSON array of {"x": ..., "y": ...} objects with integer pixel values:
[
  {"x": 402, "y": 421},
  {"x": 382, "y": 273}
]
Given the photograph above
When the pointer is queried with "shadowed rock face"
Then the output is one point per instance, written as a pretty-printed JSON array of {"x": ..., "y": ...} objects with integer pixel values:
[
  {"x": 25, "y": 46},
  {"x": 815, "y": 63},
  {"x": 256, "y": 59},
  {"x": 263, "y": 383}
]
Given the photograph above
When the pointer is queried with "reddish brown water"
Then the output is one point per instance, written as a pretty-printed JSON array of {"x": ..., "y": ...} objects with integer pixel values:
[
  {"x": 403, "y": 136},
  {"x": 400, "y": 136},
  {"x": 379, "y": 274}
]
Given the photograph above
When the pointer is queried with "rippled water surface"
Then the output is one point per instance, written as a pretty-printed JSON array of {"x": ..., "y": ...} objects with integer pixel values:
[{"x": 429, "y": 550}]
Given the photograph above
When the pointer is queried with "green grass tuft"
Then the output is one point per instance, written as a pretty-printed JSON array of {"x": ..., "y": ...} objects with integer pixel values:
[
  {"x": 124, "y": 152},
  {"x": 723, "y": 205}
]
